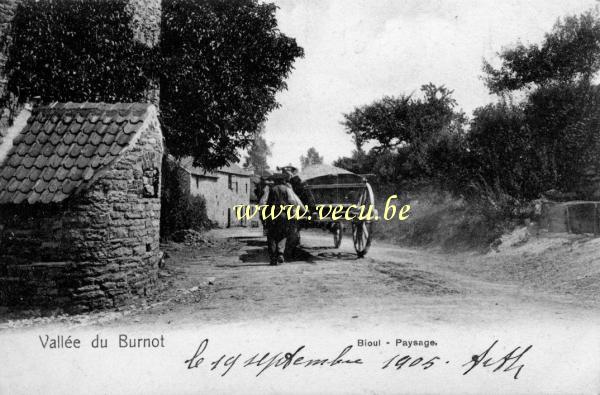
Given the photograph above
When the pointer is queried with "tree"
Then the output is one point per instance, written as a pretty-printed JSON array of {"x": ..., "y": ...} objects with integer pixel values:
[
  {"x": 405, "y": 121},
  {"x": 224, "y": 61},
  {"x": 220, "y": 64},
  {"x": 258, "y": 153},
  {"x": 569, "y": 53},
  {"x": 559, "y": 117},
  {"x": 502, "y": 144},
  {"x": 55, "y": 55},
  {"x": 312, "y": 158}
]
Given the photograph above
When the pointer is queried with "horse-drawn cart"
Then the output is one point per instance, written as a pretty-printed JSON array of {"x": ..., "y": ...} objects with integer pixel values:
[{"x": 330, "y": 187}]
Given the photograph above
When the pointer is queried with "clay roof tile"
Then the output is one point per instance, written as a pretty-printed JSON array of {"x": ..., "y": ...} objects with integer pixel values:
[
  {"x": 69, "y": 138},
  {"x": 62, "y": 149},
  {"x": 88, "y": 150},
  {"x": 15, "y": 160},
  {"x": 12, "y": 185},
  {"x": 48, "y": 174},
  {"x": 123, "y": 139},
  {"x": 33, "y": 197},
  {"x": 46, "y": 196},
  {"x": 75, "y": 150},
  {"x": 28, "y": 161},
  {"x": 48, "y": 149},
  {"x": 75, "y": 173},
  {"x": 7, "y": 172},
  {"x": 42, "y": 138},
  {"x": 95, "y": 138},
  {"x": 55, "y": 161},
  {"x": 23, "y": 149},
  {"x": 26, "y": 185},
  {"x": 102, "y": 149},
  {"x": 61, "y": 173},
  {"x": 21, "y": 173},
  {"x": 40, "y": 185},
  {"x": 40, "y": 161},
  {"x": 82, "y": 138},
  {"x": 108, "y": 138},
  {"x": 88, "y": 173},
  {"x": 115, "y": 149},
  {"x": 54, "y": 185},
  {"x": 74, "y": 127},
  {"x": 29, "y": 138},
  {"x": 82, "y": 162},
  {"x": 36, "y": 148},
  {"x": 34, "y": 173},
  {"x": 69, "y": 186},
  {"x": 18, "y": 197},
  {"x": 55, "y": 138}
]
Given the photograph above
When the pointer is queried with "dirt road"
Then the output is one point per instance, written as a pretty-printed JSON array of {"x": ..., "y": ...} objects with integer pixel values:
[
  {"x": 390, "y": 284},
  {"x": 229, "y": 280}
]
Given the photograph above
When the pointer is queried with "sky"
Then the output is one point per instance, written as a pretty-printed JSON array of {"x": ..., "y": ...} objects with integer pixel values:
[{"x": 357, "y": 51}]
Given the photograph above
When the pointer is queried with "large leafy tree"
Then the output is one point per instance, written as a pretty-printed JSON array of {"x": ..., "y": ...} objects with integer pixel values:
[
  {"x": 555, "y": 137},
  {"x": 76, "y": 50},
  {"x": 406, "y": 121},
  {"x": 220, "y": 64},
  {"x": 568, "y": 53},
  {"x": 224, "y": 62}
]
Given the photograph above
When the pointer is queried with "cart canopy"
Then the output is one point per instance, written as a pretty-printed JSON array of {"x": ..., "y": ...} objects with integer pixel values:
[{"x": 327, "y": 174}]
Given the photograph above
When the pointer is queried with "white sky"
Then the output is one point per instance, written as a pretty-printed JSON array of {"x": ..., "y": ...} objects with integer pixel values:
[{"x": 357, "y": 51}]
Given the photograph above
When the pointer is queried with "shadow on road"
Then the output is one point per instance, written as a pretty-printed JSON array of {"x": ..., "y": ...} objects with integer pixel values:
[
  {"x": 260, "y": 257},
  {"x": 330, "y": 255}
]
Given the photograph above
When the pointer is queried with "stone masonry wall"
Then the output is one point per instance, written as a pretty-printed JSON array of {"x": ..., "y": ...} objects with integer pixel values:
[
  {"x": 220, "y": 200},
  {"x": 145, "y": 23},
  {"x": 98, "y": 249},
  {"x": 589, "y": 188}
]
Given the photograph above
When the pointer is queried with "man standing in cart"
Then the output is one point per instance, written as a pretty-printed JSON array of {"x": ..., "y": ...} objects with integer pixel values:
[{"x": 281, "y": 228}]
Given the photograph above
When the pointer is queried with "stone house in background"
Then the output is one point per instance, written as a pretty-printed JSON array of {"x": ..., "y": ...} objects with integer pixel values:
[
  {"x": 80, "y": 205},
  {"x": 222, "y": 189}
]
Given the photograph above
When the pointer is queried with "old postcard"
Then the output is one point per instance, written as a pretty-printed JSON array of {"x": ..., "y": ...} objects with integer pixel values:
[{"x": 299, "y": 197}]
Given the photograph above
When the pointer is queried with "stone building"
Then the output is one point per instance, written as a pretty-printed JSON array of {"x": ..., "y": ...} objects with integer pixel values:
[
  {"x": 80, "y": 205},
  {"x": 222, "y": 189}
]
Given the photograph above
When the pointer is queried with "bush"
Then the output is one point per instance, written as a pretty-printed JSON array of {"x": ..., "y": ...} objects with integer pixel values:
[{"x": 439, "y": 219}]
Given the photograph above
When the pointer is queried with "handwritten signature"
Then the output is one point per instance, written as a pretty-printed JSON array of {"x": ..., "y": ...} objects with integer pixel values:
[{"x": 506, "y": 363}]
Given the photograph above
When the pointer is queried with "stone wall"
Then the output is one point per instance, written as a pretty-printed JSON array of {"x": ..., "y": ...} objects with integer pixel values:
[
  {"x": 145, "y": 23},
  {"x": 145, "y": 20},
  {"x": 98, "y": 249},
  {"x": 589, "y": 188},
  {"x": 571, "y": 217}
]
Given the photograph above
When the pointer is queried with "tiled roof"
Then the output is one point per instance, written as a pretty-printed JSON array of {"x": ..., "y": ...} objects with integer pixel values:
[
  {"x": 65, "y": 145},
  {"x": 187, "y": 164},
  {"x": 235, "y": 169}
]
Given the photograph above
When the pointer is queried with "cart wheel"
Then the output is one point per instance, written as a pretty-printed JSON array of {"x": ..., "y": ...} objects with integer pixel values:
[
  {"x": 337, "y": 234},
  {"x": 361, "y": 230},
  {"x": 361, "y": 235}
]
